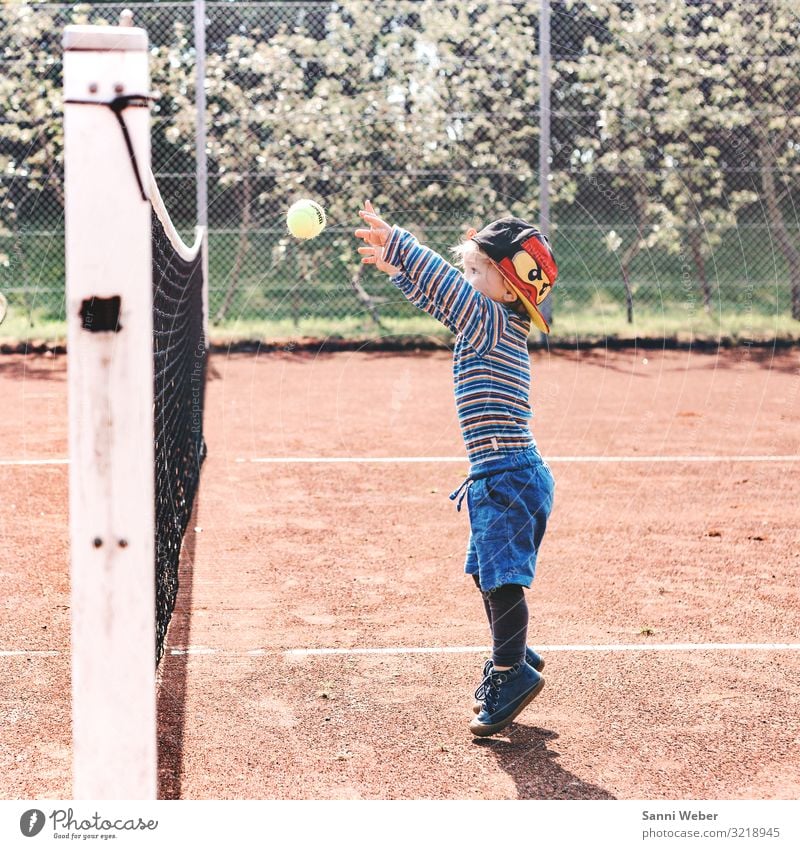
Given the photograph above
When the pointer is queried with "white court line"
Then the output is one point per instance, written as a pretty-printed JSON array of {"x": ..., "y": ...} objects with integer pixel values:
[
  {"x": 21, "y": 653},
  {"x": 196, "y": 650},
  {"x": 59, "y": 461},
  {"x": 680, "y": 458},
  {"x": 612, "y": 647}
]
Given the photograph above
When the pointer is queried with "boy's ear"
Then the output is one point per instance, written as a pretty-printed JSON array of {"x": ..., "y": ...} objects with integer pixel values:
[{"x": 471, "y": 232}]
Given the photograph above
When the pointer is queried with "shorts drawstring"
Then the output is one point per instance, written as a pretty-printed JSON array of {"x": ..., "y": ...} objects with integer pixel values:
[
  {"x": 508, "y": 464},
  {"x": 461, "y": 492}
]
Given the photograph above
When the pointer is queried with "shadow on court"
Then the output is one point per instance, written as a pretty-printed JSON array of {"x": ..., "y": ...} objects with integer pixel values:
[
  {"x": 171, "y": 704},
  {"x": 23, "y": 367},
  {"x": 524, "y": 755}
]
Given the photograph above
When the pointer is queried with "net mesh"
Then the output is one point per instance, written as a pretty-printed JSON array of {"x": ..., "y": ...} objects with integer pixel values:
[{"x": 179, "y": 351}]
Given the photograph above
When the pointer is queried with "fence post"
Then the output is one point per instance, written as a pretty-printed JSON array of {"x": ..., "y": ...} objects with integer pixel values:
[
  {"x": 544, "y": 139},
  {"x": 200, "y": 141}
]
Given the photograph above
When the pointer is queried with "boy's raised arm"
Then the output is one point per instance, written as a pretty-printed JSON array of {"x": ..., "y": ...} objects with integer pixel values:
[
  {"x": 417, "y": 297},
  {"x": 431, "y": 283}
]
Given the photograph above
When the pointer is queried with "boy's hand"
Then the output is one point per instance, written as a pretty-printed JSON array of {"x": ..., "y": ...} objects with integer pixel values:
[{"x": 375, "y": 237}]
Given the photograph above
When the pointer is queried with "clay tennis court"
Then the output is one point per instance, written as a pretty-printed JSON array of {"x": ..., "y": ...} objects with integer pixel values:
[{"x": 650, "y": 570}]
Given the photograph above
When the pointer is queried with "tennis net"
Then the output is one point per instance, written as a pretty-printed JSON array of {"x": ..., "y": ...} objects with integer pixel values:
[{"x": 179, "y": 369}]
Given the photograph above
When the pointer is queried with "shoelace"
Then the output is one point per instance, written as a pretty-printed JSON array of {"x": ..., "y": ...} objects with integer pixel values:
[{"x": 488, "y": 690}]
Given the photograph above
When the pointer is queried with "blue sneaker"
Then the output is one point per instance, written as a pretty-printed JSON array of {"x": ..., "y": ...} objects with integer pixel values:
[
  {"x": 504, "y": 695},
  {"x": 531, "y": 658},
  {"x": 534, "y": 660}
]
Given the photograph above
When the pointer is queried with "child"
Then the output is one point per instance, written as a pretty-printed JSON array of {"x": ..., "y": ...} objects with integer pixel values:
[{"x": 508, "y": 270}]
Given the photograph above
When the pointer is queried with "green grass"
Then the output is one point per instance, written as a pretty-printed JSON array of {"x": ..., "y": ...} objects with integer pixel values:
[
  {"x": 302, "y": 291},
  {"x": 19, "y": 328},
  {"x": 287, "y": 331},
  {"x": 592, "y": 324},
  {"x": 675, "y": 324},
  {"x": 585, "y": 325}
]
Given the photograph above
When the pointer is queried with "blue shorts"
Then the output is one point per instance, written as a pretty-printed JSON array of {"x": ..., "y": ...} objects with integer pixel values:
[{"x": 510, "y": 499}]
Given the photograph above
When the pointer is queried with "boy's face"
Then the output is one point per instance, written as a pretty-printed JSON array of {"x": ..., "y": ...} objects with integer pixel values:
[{"x": 484, "y": 277}]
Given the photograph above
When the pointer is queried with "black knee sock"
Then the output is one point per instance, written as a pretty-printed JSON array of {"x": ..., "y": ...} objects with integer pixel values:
[
  {"x": 485, "y": 601},
  {"x": 509, "y": 618}
]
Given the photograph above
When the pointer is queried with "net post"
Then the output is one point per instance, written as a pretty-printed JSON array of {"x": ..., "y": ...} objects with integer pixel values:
[{"x": 110, "y": 380}]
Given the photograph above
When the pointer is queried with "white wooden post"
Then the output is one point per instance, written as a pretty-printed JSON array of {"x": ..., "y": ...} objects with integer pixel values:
[{"x": 108, "y": 256}]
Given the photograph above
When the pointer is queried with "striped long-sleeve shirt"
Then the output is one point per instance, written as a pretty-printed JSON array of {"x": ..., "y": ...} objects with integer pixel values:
[{"x": 491, "y": 366}]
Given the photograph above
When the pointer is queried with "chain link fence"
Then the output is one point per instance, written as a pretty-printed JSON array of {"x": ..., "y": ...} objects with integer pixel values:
[{"x": 674, "y": 156}]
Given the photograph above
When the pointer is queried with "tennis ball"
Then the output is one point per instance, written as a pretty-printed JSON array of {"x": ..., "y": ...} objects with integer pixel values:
[{"x": 305, "y": 219}]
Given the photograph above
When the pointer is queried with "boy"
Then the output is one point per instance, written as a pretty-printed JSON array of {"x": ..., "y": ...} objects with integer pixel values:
[{"x": 508, "y": 270}]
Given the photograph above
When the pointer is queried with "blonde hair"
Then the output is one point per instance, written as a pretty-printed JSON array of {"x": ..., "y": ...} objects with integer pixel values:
[
  {"x": 465, "y": 249},
  {"x": 468, "y": 248}
]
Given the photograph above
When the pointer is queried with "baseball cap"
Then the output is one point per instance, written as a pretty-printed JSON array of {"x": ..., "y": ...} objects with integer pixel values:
[{"x": 522, "y": 254}]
